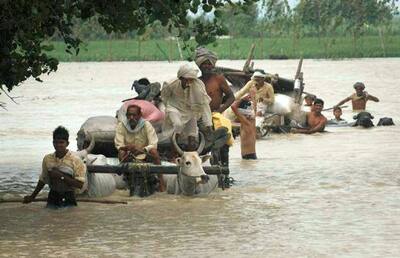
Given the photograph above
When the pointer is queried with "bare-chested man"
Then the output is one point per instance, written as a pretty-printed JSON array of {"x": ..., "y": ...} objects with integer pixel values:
[
  {"x": 220, "y": 93},
  {"x": 316, "y": 121},
  {"x": 359, "y": 98},
  {"x": 246, "y": 117},
  {"x": 217, "y": 88}
]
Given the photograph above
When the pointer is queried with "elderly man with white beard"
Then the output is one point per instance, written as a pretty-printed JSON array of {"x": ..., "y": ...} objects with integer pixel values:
[{"x": 186, "y": 101}]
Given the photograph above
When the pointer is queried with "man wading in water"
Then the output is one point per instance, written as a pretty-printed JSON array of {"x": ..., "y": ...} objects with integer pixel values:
[
  {"x": 62, "y": 171},
  {"x": 359, "y": 98},
  {"x": 244, "y": 111},
  {"x": 316, "y": 121},
  {"x": 220, "y": 93}
]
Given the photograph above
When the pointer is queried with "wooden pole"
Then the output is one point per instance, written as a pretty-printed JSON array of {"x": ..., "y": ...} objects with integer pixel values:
[
  {"x": 179, "y": 48},
  {"x": 382, "y": 41},
  {"x": 249, "y": 57},
  {"x": 44, "y": 199},
  {"x": 150, "y": 168}
]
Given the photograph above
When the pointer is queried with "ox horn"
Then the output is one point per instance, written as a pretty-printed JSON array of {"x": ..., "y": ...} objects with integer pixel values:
[
  {"x": 202, "y": 143},
  {"x": 91, "y": 145},
  {"x": 178, "y": 149}
]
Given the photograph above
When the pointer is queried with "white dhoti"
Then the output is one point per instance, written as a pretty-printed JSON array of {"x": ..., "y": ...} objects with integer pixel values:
[{"x": 180, "y": 122}]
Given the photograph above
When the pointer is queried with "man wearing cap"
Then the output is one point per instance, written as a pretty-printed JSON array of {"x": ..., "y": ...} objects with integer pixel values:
[
  {"x": 186, "y": 101},
  {"x": 359, "y": 98},
  {"x": 263, "y": 91}
]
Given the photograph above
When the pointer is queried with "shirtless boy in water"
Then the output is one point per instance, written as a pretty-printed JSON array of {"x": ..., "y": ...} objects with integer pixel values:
[
  {"x": 247, "y": 121},
  {"x": 316, "y": 121},
  {"x": 360, "y": 98}
]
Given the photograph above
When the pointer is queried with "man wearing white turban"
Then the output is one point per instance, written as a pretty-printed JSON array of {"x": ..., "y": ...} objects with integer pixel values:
[
  {"x": 263, "y": 91},
  {"x": 186, "y": 101}
]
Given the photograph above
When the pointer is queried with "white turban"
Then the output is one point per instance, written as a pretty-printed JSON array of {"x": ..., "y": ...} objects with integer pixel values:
[
  {"x": 187, "y": 71},
  {"x": 258, "y": 74},
  {"x": 203, "y": 54}
]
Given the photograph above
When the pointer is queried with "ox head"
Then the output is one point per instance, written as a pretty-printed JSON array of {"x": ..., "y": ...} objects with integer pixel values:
[
  {"x": 364, "y": 119},
  {"x": 84, "y": 153},
  {"x": 191, "y": 171}
]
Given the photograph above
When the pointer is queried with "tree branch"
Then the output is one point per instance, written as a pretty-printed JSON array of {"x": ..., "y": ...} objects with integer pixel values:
[{"x": 3, "y": 104}]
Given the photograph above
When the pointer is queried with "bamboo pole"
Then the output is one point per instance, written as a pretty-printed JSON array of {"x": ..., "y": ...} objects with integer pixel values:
[
  {"x": 249, "y": 57},
  {"x": 150, "y": 168},
  {"x": 382, "y": 41},
  {"x": 179, "y": 48},
  {"x": 44, "y": 199}
]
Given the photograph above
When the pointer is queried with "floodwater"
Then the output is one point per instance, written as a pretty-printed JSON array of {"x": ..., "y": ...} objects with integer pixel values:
[{"x": 334, "y": 194}]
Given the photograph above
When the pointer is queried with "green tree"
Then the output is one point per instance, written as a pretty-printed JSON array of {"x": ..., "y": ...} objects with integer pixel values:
[
  {"x": 359, "y": 14},
  {"x": 25, "y": 27},
  {"x": 322, "y": 17}
]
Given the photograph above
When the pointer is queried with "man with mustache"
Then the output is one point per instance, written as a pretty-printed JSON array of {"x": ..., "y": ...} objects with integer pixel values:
[{"x": 135, "y": 138}]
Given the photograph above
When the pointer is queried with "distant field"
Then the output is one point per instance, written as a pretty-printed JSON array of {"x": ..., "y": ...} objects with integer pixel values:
[{"x": 235, "y": 48}]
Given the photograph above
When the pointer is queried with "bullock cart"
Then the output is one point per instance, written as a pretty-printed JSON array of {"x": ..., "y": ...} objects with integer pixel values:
[
  {"x": 96, "y": 137},
  {"x": 140, "y": 176}
]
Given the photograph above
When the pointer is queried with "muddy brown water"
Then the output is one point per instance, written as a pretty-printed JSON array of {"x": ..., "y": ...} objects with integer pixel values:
[{"x": 333, "y": 194}]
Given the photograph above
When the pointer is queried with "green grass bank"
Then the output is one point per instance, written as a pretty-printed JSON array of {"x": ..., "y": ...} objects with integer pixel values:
[{"x": 234, "y": 48}]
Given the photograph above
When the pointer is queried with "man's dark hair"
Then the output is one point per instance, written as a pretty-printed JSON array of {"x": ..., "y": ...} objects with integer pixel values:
[
  {"x": 310, "y": 96},
  {"x": 244, "y": 104},
  {"x": 61, "y": 133},
  {"x": 134, "y": 106},
  {"x": 318, "y": 101}
]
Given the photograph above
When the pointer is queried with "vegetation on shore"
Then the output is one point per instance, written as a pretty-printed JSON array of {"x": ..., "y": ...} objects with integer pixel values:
[
  {"x": 136, "y": 30},
  {"x": 230, "y": 48}
]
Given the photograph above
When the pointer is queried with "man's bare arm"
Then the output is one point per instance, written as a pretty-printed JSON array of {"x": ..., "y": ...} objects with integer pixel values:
[
  {"x": 318, "y": 128},
  {"x": 373, "y": 98},
  {"x": 240, "y": 117},
  {"x": 55, "y": 174},
  {"x": 230, "y": 98},
  {"x": 38, "y": 188},
  {"x": 343, "y": 101}
]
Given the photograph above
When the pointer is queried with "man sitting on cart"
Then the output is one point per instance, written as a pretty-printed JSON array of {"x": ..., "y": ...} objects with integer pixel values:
[
  {"x": 186, "y": 101},
  {"x": 136, "y": 139}
]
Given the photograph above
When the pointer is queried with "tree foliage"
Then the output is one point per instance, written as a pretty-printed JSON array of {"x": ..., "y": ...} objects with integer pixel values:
[{"x": 25, "y": 26}]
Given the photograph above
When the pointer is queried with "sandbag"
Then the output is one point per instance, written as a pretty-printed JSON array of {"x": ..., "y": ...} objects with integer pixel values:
[
  {"x": 149, "y": 111},
  {"x": 282, "y": 105},
  {"x": 102, "y": 128},
  {"x": 99, "y": 185}
]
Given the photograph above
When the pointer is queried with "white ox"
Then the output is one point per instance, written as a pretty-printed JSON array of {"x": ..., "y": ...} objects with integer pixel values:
[
  {"x": 191, "y": 178},
  {"x": 98, "y": 185}
]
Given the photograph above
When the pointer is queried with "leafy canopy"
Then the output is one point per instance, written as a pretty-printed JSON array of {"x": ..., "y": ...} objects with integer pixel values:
[{"x": 26, "y": 26}]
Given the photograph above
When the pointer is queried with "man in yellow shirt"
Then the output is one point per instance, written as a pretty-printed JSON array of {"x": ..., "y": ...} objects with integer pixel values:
[
  {"x": 135, "y": 137},
  {"x": 263, "y": 91},
  {"x": 62, "y": 171}
]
